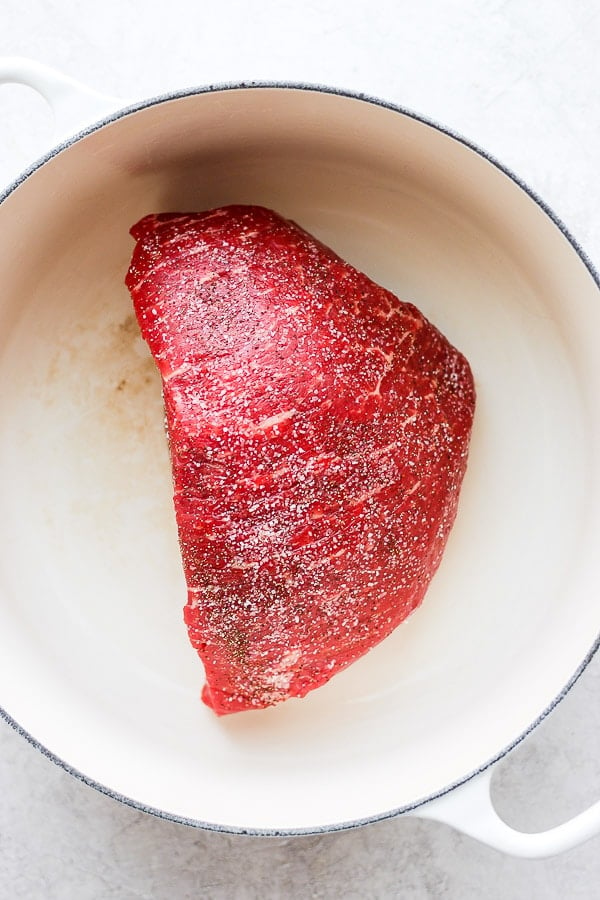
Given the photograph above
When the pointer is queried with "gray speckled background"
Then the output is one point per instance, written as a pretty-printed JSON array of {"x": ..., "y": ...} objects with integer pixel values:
[{"x": 522, "y": 79}]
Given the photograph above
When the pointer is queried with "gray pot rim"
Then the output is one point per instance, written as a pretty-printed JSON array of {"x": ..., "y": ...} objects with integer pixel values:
[{"x": 393, "y": 107}]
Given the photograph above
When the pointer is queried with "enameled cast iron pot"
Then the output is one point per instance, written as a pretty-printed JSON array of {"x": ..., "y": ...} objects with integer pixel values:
[{"x": 95, "y": 665}]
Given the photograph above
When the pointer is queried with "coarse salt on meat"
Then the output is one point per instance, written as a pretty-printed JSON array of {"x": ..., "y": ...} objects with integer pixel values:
[{"x": 318, "y": 431}]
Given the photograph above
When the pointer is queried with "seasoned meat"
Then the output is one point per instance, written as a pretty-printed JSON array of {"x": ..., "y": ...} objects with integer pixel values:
[{"x": 318, "y": 430}]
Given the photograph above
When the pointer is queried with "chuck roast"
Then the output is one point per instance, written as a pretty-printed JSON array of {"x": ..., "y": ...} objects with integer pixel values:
[{"x": 318, "y": 430}]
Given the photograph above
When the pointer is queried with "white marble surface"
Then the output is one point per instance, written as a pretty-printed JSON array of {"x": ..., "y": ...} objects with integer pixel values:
[{"x": 522, "y": 79}]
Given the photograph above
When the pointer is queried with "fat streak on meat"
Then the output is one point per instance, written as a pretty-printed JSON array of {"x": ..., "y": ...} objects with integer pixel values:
[{"x": 318, "y": 431}]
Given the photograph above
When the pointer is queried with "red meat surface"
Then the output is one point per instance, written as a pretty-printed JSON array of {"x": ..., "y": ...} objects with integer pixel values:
[{"x": 318, "y": 431}]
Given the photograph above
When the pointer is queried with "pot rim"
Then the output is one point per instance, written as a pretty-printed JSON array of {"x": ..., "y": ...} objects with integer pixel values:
[{"x": 137, "y": 106}]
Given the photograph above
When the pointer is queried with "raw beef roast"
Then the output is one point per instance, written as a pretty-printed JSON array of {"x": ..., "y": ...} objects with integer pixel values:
[{"x": 318, "y": 431}]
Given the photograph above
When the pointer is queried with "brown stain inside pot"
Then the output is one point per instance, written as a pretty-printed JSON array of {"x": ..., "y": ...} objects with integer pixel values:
[
  {"x": 107, "y": 370},
  {"x": 104, "y": 392}
]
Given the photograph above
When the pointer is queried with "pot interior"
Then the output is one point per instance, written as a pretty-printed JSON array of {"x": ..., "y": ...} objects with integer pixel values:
[{"x": 94, "y": 657}]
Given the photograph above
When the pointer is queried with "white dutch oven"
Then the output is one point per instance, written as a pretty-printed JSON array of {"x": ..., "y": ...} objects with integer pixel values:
[{"x": 95, "y": 665}]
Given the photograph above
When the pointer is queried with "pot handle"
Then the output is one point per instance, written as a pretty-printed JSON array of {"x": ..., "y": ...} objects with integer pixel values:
[
  {"x": 469, "y": 808},
  {"x": 73, "y": 105}
]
